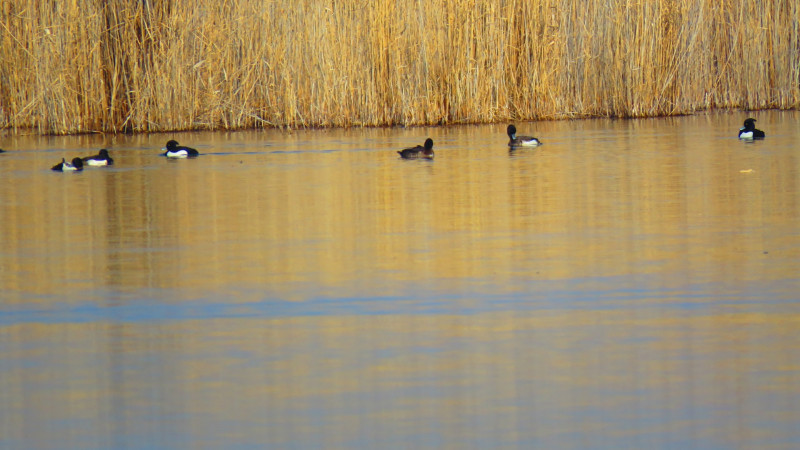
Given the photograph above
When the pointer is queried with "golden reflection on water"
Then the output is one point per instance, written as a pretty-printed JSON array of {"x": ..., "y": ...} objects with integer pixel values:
[
  {"x": 346, "y": 216},
  {"x": 630, "y": 283}
]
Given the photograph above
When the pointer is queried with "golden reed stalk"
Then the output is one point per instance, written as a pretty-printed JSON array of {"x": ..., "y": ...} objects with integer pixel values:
[{"x": 70, "y": 66}]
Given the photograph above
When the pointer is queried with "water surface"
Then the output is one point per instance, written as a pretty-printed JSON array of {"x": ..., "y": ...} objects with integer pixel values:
[{"x": 631, "y": 283}]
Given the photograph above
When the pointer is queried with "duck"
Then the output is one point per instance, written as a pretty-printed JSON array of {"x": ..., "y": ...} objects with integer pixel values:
[
  {"x": 64, "y": 166},
  {"x": 749, "y": 131},
  {"x": 419, "y": 151},
  {"x": 173, "y": 150},
  {"x": 100, "y": 159},
  {"x": 520, "y": 141}
]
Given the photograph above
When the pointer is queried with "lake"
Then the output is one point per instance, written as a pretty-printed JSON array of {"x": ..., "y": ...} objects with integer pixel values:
[{"x": 628, "y": 284}]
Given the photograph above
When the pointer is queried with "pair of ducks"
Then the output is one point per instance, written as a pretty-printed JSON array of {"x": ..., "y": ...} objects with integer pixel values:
[
  {"x": 100, "y": 159},
  {"x": 173, "y": 150},
  {"x": 748, "y": 131},
  {"x": 426, "y": 151}
]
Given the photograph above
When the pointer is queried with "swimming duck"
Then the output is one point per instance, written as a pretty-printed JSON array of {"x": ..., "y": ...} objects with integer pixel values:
[
  {"x": 749, "y": 131},
  {"x": 100, "y": 159},
  {"x": 520, "y": 141},
  {"x": 64, "y": 166},
  {"x": 419, "y": 151},
  {"x": 173, "y": 150}
]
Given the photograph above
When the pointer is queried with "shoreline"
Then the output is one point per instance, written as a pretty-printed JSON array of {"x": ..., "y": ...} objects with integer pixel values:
[{"x": 33, "y": 132}]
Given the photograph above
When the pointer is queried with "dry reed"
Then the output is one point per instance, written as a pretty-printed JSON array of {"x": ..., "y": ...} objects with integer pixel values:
[{"x": 153, "y": 65}]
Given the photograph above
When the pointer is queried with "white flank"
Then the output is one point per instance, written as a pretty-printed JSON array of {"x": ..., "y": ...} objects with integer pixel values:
[
  {"x": 178, "y": 154},
  {"x": 530, "y": 143}
]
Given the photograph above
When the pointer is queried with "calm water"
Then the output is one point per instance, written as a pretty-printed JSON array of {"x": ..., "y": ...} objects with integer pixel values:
[{"x": 630, "y": 284}]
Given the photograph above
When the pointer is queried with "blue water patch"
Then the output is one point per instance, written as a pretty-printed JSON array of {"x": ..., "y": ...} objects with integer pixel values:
[{"x": 606, "y": 293}]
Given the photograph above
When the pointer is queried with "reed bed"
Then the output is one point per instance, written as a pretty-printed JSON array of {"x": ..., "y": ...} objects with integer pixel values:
[{"x": 76, "y": 66}]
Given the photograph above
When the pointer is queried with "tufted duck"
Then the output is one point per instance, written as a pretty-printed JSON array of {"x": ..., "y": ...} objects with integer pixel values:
[
  {"x": 173, "y": 150},
  {"x": 749, "y": 131},
  {"x": 100, "y": 159},
  {"x": 64, "y": 166},
  {"x": 520, "y": 141},
  {"x": 419, "y": 151}
]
